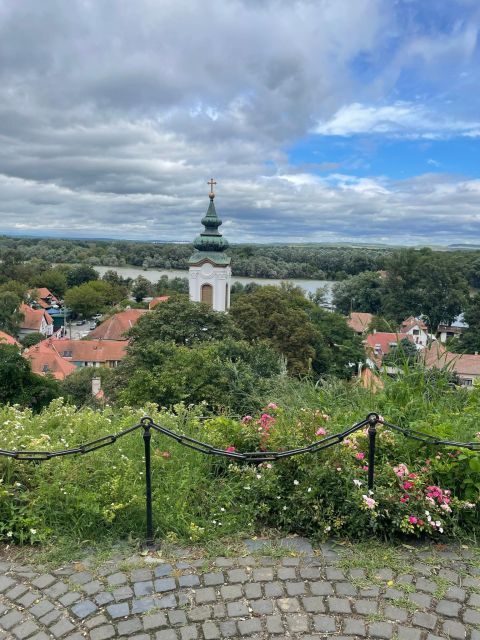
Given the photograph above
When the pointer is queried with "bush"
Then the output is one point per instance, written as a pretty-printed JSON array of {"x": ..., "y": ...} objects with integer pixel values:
[{"x": 198, "y": 497}]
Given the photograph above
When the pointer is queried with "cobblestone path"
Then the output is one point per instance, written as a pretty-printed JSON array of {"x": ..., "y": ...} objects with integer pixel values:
[{"x": 422, "y": 594}]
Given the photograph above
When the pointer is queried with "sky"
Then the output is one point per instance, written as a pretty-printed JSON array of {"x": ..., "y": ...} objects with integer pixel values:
[{"x": 320, "y": 120}]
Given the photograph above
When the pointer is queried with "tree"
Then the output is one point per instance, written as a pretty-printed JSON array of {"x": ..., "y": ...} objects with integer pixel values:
[
  {"x": 32, "y": 338},
  {"x": 19, "y": 385},
  {"x": 10, "y": 316},
  {"x": 141, "y": 288},
  {"x": 470, "y": 338},
  {"x": 92, "y": 297},
  {"x": 81, "y": 274},
  {"x": 359, "y": 293},
  {"x": 183, "y": 322},
  {"x": 275, "y": 315},
  {"x": 224, "y": 374},
  {"x": 53, "y": 279},
  {"x": 77, "y": 387},
  {"x": 423, "y": 283}
]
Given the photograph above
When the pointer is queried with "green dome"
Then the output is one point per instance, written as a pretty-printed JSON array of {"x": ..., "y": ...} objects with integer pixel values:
[{"x": 210, "y": 239}]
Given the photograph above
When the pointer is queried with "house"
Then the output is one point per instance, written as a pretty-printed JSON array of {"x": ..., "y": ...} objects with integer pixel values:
[
  {"x": 154, "y": 301},
  {"x": 90, "y": 353},
  {"x": 379, "y": 343},
  {"x": 417, "y": 329},
  {"x": 5, "y": 338},
  {"x": 35, "y": 321},
  {"x": 115, "y": 327},
  {"x": 44, "y": 298},
  {"x": 444, "y": 332},
  {"x": 465, "y": 366},
  {"x": 359, "y": 321},
  {"x": 45, "y": 360}
]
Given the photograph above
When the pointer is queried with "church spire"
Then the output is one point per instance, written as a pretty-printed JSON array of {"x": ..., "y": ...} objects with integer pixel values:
[{"x": 210, "y": 239}]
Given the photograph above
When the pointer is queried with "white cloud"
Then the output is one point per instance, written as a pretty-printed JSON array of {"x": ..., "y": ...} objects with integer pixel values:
[{"x": 400, "y": 119}]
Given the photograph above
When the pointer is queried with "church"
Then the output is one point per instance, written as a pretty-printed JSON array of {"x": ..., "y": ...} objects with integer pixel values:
[{"x": 209, "y": 273}]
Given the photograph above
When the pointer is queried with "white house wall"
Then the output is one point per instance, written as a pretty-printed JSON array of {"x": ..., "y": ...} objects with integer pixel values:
[{"x": 217, "y": 277}]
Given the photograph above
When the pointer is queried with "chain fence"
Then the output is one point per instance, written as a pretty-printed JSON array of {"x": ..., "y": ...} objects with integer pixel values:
[{"x": 148, "y": 424}]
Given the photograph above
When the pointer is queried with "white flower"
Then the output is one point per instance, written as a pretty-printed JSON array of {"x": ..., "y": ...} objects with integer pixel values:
[
  {"x": 9, "y": 534},
  {"x": 33, "y": 531},
  {"x": 339, "y": 468},
  {"x": 259, "y": 477},
  {"x": 438, "y": 523},
  {"x": 285, "y": 508},
  {"x": 310, "y": 488},
  {"x": 441, "y": 530},
  {"x": 328, "y": 528},
  {"x": 222, "y": 509},
  {"x": 429, "y": 518},
  {"x": 357, "y": 483},
  {"x": 427, "y": 513},
  {"x": 296, "y": 482}
]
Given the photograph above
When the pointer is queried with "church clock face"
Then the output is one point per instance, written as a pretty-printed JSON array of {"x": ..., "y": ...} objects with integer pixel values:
[{"x": 207, "y": 269}]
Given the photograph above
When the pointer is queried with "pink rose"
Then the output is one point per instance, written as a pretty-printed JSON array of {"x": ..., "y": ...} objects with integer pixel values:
[
  {"x": 407, "y": 485},
  {"x": 230, "y": 449},
  {"x": 404, "y": 499},
  {"x": 413, "y": 520},
  {"x": 320, "y": 432},
  {"x": 360, "y": 456},
  {"x": 246, "y": 419},
  {"x": 272, "y": 405}
]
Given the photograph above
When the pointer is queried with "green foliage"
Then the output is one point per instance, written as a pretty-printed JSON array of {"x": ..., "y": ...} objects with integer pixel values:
[
  {"x": 93, "y": 297},
  {"x": 80, "y": 274},
  {"x": 141, "y": 288},
  {"x": 10, "y": 316},
  {"x": 311, "y": 339},
  {"x": 198, "y": 497},
  {"x": 18, "y": 385},
  {"x": 470, "y": 338},
  {"x": 32, "y": 338},
  {"x": 404, "y": 353},
  {"x": 166, "y": 286},
  {"x": 362, "y": 292},
  {"x": 54, "y": 280},
  {"x": 77, "y": 387},
  {"x": 183, "y": 322},
  {"x": 221, "y": 374}
]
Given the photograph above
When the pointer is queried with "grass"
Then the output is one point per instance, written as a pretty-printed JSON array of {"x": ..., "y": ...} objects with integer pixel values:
[{"x": 374, "y": 556}]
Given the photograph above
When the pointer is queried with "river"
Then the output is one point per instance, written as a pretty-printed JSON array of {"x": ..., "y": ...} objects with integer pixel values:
[{"x": 154, "y": 275}]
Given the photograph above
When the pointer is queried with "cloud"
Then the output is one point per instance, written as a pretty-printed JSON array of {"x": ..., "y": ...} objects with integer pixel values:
[
  {"x": 114, "y": 115},
  {"x": 400, "y": 119}
]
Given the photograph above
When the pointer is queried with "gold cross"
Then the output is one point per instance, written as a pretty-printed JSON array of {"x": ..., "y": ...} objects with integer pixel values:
[{"x": 211, "y": 182}]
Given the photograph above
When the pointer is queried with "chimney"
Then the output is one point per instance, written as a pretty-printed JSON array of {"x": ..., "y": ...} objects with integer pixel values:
[{"x": 96, "y": 386}]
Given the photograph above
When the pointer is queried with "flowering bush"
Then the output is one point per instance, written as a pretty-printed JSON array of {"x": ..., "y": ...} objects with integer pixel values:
[{"x": 419, "y": 490}]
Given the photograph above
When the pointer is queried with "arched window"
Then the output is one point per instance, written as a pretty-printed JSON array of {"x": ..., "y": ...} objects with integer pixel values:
[{"x": 207, "y": 294}]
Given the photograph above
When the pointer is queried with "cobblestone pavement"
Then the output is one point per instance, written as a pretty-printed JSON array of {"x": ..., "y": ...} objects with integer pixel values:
[{"x": 419, "y": 594}]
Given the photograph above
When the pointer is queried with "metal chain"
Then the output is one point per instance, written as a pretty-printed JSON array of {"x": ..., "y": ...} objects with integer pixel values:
[
  {"x": 427, "y": 438},
  {"x": 147, "y": 423}
]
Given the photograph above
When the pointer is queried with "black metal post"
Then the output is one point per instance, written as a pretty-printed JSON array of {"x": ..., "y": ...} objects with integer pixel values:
[
  {"x": 372, "y": 434},
  {"x": 147, "y": 436}
]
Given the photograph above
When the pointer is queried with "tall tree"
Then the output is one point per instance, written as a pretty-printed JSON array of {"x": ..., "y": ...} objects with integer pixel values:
[
  {"x": 470, "y": 338},
  {"x": 10, "y": 316},
  {"x": 359, "y": 293}
]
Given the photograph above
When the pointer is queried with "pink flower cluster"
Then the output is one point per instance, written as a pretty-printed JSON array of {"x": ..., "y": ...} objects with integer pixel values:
[
  {"x": 321, "y": 432},
  {"x": 442, "y": 497},
  {"x": 265, "y": 422}
]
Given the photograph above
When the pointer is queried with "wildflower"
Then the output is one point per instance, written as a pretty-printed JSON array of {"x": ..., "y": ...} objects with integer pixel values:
[
  {"x": 339, "y": 468},
  {"x": 320, "y": 432},
  {"x": 412, "y": 520},
  {"x": 310, "y": 489},
  {"x": 407, "y": 485},
  {"x": 272, "y": 405},
  {"x": 259, "y": 477},
  {"x": 166, "y": 455},
  {"x": 357, "y": 483},
  {"x": 284, "y": 507},
  {"x": 401, "y": 470},
  {"x": 369, "y": 502},
  {"x": 246, "y": 419},
  {"x": 365, "y": 467},
  {"x": 328, "y": 528},
  {"x": 33, "y": 531},
  {"x": 269, "y": 466},
  {"x": 404, "y": 499},
  {"x": 359, "y": 455},
  {"x": 446, "y": 507},
  {"x": 296, "y": 482},
  {"x": 9, "y": 534},
  {"x": 230, "y": 449},
  {"x": 440, "y": 529}
]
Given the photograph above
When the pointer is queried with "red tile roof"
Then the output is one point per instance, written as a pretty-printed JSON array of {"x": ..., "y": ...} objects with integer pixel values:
[
  {"x": 411, "y": 322},
  {"x": 359, "y": 321},
  {"x": 45, "y": 359},
  {"x": 5, "y": 338},
  {"x": 90, "y": 350},
  {"x": 33, "y": 318},
  {"x": 464, "y": 364},
  {"x": 117, "y": 325},
  {"x": 153, "y": 303}
]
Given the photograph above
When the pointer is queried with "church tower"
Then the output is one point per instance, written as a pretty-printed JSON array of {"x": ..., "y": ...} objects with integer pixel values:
[{"x": 209, "y": 272}]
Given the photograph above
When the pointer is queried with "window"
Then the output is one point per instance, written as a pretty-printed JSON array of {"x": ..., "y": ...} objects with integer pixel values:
[
  {"x": 207, "y": 294},
  {"x": 67, "y": 354},
  {"x": 45, "y": 368},
  {"x": 467, "y": 382},
  {"x": 416, "y": 332}
]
